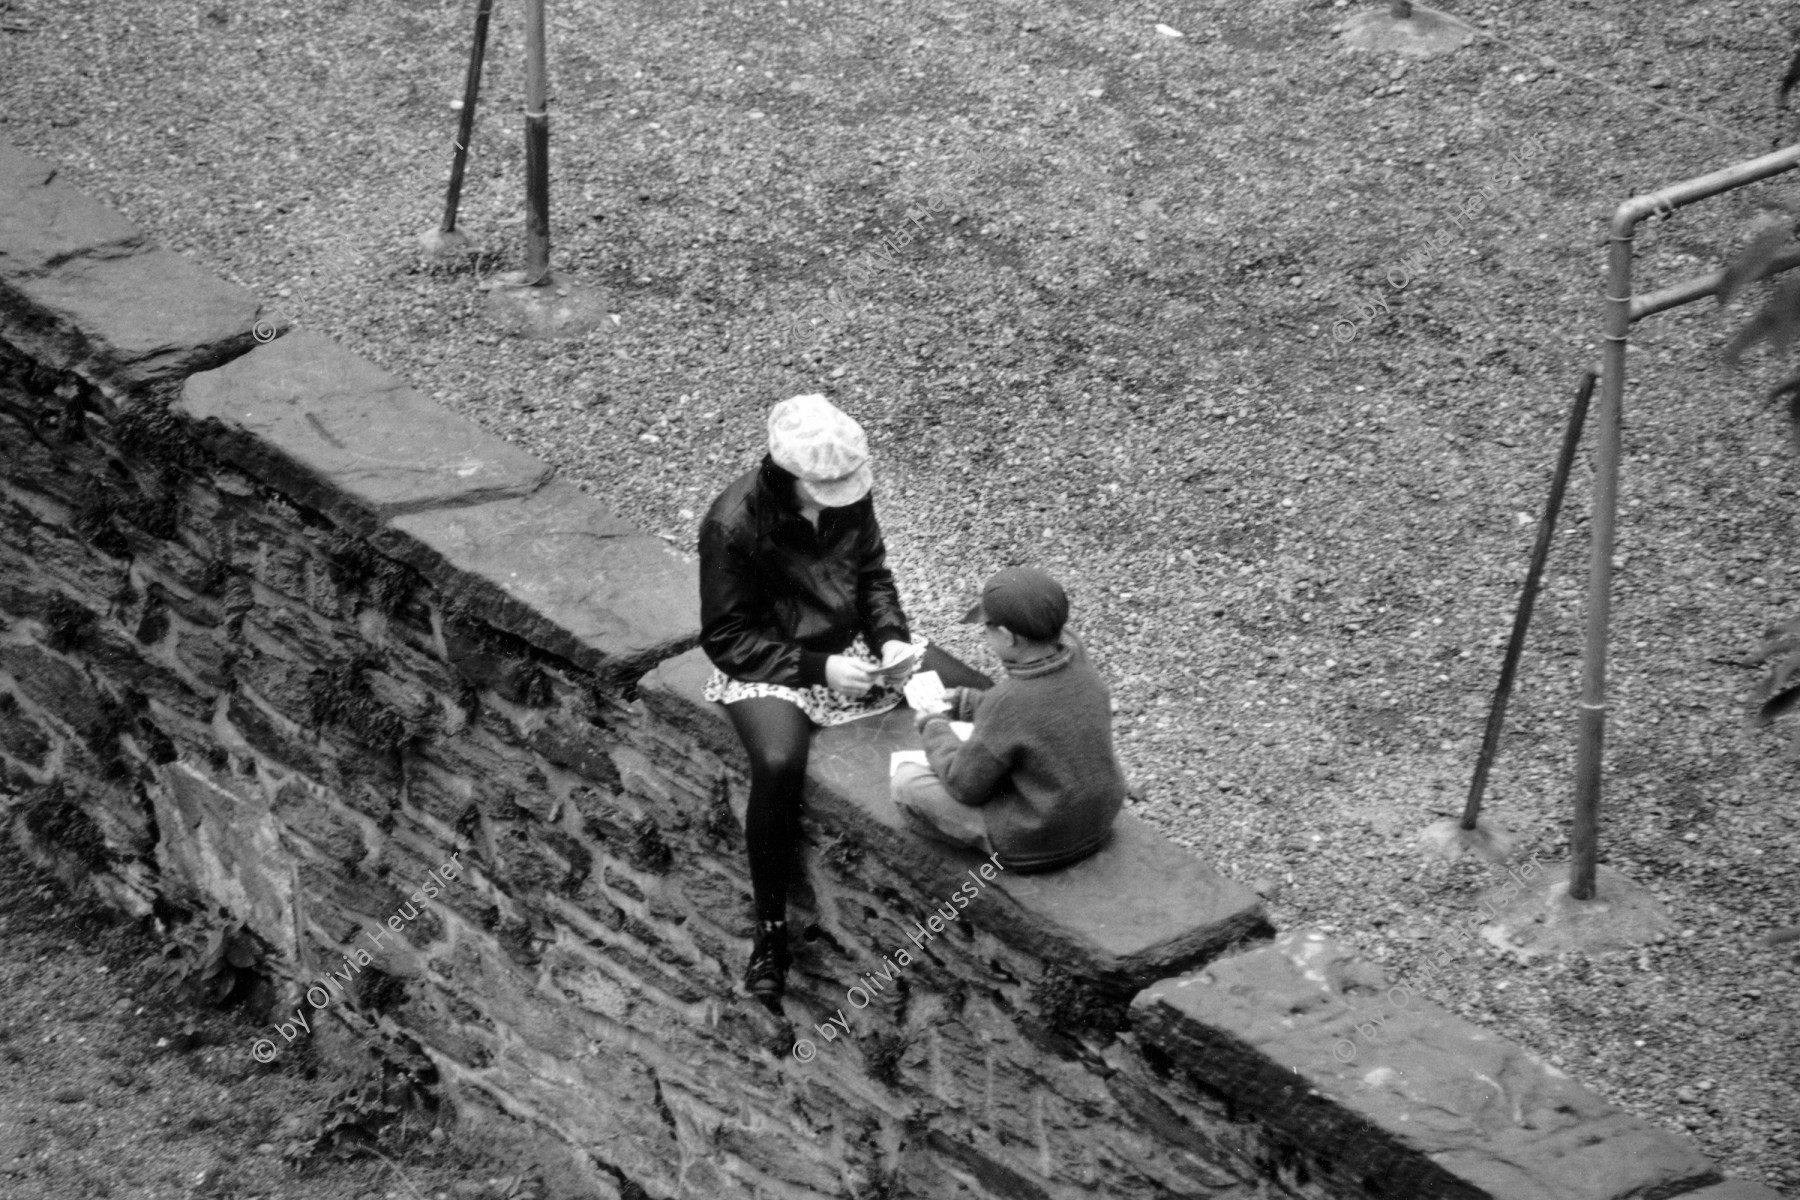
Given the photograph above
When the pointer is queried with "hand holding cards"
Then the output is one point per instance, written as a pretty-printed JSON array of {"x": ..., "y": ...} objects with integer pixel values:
[
  {"x": 894, "y": 672},
  {"x": 925, "y": 693}
]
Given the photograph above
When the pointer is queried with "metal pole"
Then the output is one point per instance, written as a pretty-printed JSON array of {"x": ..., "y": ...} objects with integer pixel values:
[
  {"x": 1698, "y": 288},
  {"x": 465, "y": 127},
  {"x": 537, "y": 147},
  {"x": 1534, "y": 574},
  {"x": 1584, "y": 837}
]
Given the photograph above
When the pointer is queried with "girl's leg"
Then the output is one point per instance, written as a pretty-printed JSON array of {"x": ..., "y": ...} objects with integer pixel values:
[
  {"x": 777, "y": 736},
  {"x": 954, "y": 672}
]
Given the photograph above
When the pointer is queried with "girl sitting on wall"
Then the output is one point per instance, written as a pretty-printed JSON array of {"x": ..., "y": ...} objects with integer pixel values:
[{"x": 799, "y": 615}]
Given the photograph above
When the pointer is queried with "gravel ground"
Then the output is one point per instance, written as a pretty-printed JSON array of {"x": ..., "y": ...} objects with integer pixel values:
[{"x": 1107, "y": 346}]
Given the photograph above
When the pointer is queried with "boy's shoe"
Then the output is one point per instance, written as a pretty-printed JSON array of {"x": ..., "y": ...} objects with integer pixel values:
[{"x": 766, "y": 976}]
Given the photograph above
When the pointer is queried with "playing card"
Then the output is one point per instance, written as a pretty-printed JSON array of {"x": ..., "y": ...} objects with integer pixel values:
[{"x": 925, "y": 692}]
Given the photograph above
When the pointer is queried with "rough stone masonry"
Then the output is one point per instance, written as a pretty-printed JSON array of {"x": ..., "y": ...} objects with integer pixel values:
[{"x": 278, "y": 634}]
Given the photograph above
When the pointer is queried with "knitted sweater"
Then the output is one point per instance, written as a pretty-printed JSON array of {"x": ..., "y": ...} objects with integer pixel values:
[{"x": 1040, "y": 761}]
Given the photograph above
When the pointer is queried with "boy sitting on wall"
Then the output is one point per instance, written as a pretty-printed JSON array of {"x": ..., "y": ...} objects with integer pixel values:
[{"x": 1036, "y": 782}]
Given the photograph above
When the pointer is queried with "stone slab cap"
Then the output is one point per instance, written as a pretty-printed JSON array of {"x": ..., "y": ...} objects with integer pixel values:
[
  {"x": 1140, "y": 902},
  {"x": 43, "y": 222},
  {"x": 558, "y": 569},
  {"x": 340, "y": 435},
  {"x": 1732, "y": 1189},
  {"x": 80, "y": 289},
  {"x": 1426, "y": 1097}
]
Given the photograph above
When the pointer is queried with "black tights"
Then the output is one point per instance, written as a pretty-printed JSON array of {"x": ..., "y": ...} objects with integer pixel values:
[{"x": 777, "y": 736}]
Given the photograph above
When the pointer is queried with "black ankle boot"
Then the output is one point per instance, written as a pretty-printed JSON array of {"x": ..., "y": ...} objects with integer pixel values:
[{"x": 766, "y": 976}]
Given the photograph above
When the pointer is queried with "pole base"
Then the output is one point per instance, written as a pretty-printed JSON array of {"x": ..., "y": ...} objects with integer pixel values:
[
  {"x": 1425, "y": 34},
  {"x": 1448, "y": 841},
  {"x": 555, "y": 307},
  {"x": 1533, "y": 915},
  {"x": 446, "y": 243}
]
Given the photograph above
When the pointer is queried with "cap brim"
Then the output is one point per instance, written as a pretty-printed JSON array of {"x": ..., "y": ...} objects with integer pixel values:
[
  {"x": 841, "y": 493},
  {"x": 973, "y": 615}
]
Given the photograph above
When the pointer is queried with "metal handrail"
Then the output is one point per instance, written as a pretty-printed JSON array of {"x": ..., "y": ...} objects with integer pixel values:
[{"x": 1584, "y": 837}]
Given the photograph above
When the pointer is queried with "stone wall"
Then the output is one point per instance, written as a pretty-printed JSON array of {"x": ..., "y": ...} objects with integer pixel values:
[{"x": 278, "y": 634}]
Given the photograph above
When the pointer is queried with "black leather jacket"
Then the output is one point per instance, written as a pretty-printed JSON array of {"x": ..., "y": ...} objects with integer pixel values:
[{"x": 777, "y": 598}]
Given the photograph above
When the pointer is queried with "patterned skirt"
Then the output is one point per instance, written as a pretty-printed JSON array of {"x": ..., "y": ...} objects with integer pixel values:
[{"x": 823, "y": 704}]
